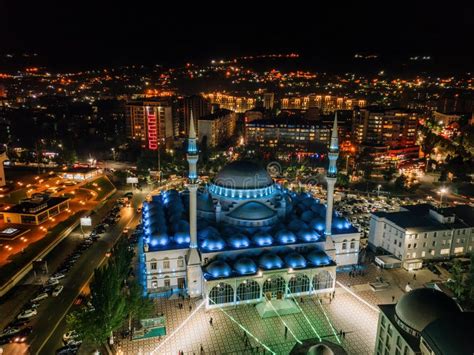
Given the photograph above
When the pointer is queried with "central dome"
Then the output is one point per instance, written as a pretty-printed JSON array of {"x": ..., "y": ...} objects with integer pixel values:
[{"x": 243, "y": 174}]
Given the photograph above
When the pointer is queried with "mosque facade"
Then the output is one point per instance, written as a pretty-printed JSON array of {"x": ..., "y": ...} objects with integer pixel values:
[{"x": 243, "y": 238}]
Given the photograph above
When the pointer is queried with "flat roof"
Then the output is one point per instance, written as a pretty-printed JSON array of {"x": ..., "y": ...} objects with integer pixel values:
[{"x": 24, "y": 207}]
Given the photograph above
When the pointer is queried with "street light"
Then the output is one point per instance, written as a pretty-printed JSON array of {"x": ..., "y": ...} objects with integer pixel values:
[
  {"x": 442, "y": 191},
  {"x": 378, "y": 190}
]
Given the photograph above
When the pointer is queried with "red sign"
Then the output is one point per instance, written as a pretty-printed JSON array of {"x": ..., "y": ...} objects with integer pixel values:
[{"x": 152, "y": 130}]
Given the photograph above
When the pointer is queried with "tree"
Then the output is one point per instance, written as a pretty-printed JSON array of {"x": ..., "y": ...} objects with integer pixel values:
[
  {"x": 342, "y": 180},
  {"x": 470, "y": 281},
  {"x": 400, "y": 182},
  {"x": 457, "y": 284},
  {"x": 138, "y": 306}
]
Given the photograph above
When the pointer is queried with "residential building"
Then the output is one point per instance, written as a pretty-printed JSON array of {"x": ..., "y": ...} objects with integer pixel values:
[
  {"x": 150, "y": 122},
  {"x": 217, "y": 127},
  {"x": 422, "y": 232},
  {"x": 268, "y": 100},
  {"x": 325, "y": 103}
]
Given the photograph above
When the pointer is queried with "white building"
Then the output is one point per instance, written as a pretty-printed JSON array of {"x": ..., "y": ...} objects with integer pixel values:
[{"x": 422, "y": 232}]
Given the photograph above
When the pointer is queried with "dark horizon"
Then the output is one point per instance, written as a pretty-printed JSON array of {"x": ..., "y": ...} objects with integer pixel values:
[{"x": 87, "y": 36}]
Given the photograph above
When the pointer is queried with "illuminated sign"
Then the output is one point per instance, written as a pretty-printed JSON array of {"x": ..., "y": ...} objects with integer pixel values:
[
  {"x": 9, "y": 231},
  {"x": 152, "y": 129},
  {"x": 86, "y": 221},
  {"x": 132, "y": 180}
]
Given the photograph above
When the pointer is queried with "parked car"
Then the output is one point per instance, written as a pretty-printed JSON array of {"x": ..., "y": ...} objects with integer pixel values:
[
  {"x": 20, "y": 337},
  {"x": 52, "y": 282},
  {"x": 57, "y": 291},
  {"x": 27, "y": 314},
  {"x": 67, "y": 350},
  {"x": 10, "y": 331},
  {"x": 70, "y": 335},
  {"x": 40, "y": 297},
  {"x": 58, "y": 276}
]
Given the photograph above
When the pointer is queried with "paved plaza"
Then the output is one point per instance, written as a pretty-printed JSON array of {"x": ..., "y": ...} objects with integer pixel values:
[{"x": 345, "y": 312}]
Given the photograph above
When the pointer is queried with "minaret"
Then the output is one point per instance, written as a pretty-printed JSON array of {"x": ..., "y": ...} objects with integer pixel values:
[
  {"x": 194, "y": 273},
  {"x": 331, "y": 176}
]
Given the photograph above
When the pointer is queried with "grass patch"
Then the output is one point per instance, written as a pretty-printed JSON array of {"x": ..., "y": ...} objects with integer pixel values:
[
  {"x": 31, "y": 252},
  {"x": 102, "y": 186}
]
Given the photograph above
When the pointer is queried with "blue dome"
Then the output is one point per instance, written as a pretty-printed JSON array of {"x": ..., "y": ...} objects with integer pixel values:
[
  {"x": 252, "y": 211},
  {"x": 270, "y": 261},
  {"x": 238, "y": 241},
  {"x": 213, "y": 242},
  {"x": 182, "y": 237},
  {"x": 308, "y": 235},
  {"x": 307, "y": 216},
  {"x": 245, "y": 266},
  {"x": 319, "y": 209},
  {"x": 296, "y": 225},
  {"x": 243, "y": 174},
  {"x": 204, "y": 202},
  {"x": 285, "y": 236},
  {"x": 262, "y": 239},
  {"x": 218, "y": 269},
  {"x": 308, "y": 201},
  {"x": 207, "y": 232},
  {"x": 295, "y": 260},
  {"x": 317, "y": 223},
  {"x": 159, "y": 239},
  {"x": 318, "y": 257}
]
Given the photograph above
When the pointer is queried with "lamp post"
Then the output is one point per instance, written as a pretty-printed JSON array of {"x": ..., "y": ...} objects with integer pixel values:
[
  {"x": 378, "y": 190},
  {"x": 442, "y": 191}
]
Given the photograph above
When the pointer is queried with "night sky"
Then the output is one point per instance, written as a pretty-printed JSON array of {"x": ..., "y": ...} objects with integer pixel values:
[{"x": 99, "y": 33}]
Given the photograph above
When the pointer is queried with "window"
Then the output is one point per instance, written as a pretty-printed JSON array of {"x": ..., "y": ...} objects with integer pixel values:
[
  {"x": 382, "y": 321},
  {"x": 248, "y": 290},
  {"x": 409, "y": 246},
  {"x": 167, "y": 281},
  {"x": 425, "y": 236},
  {"x": 399, "y": 341},
  {"x": 166, "y": 263},
  {"x": 414, "y": 245},
  {"x": 434, "y": 235},
  {"x": 153, "y": 266},
  {"x": 180, "y": 261},
  {"x": 434, "y": 243},
  {"x": 352, "y": 243},
  {"x": 222, "y": 293},
  {"x": 344, "y": 244},
  {"x": 424, "y": 244},
  {"x": 389, "y": 329}
]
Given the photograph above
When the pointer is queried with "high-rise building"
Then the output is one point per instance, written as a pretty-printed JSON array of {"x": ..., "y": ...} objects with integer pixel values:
[
  {"x": 150, "y": 123},
  {"x": 217, "y": 127},
  {"x": 387, "y": 127},
  {"x": 292, "y": 134},
  {"x": 268, "y": 100},
  {"x": 199, "y": 107}
]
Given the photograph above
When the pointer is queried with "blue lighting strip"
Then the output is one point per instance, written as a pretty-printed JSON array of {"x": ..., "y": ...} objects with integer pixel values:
[{"x": 242, "y": 193}]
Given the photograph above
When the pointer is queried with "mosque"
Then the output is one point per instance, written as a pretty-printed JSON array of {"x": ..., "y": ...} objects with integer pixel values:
[{"x": 243, "y": 238}]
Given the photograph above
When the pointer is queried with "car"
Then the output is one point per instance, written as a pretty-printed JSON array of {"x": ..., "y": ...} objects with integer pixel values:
[
  {"x": 10, "y": 331},
  {"x": 57, "y": 291},
  {"x": 58, "y": 276},
  {"x": 74, "y": 342},
  {"x": 28, "y": 313},
  {"x": 52, "y": 282},
  {"x": 40, "y": 297},
  {"x": 18, "y": 323},
  {"x": 70, "y": 335},
  {"x": 31, "y": 305},
  {"x": 67, "y": 350},
  {"x": 20, "y": 337}
]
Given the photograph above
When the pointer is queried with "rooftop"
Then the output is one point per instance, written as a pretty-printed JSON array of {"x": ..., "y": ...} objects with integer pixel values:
[{"x": 36, "y": 207}]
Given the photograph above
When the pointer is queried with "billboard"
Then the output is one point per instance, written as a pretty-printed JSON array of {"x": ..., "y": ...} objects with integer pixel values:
[{"x": 86, "y": 221}]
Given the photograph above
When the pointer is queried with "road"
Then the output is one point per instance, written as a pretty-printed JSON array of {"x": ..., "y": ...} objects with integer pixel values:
[{"x": 52, "y": 310}]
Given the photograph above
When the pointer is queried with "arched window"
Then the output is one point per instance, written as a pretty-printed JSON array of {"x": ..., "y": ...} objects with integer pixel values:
[
  {"x": 180, "y": 261},
  {"x": 344, "y": 244},
  {"x": 353, "y": 243},
  {"x": 322, "y": 280},
  {"x": 221, "y": 293},
  {"x": 167, "y": 281},
  {"x": 274, "y": 287},
  {"x": 299, "y": 283},
  {"x": 248, "y": 290},
  {"x": 166, "y": 263}
]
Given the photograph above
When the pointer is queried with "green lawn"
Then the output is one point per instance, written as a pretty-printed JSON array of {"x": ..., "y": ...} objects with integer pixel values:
[{"x": 102, "y": 185}]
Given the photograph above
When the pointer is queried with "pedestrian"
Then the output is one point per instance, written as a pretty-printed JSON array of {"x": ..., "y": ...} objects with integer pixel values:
[
  {"x": 286, "y": 331},
  {"x": 344, "y": 335},
  {"x": 414, "y": 276},
  {"x": 340, "y": 333},
  {"x": 393, "y": 298},
  {"x": 301, "y": 300},
  {"x": 190, "y": 308},
  {"x": 210, "y": 322},
  {"x": 334, "y": 294},
  {"x": 202, "y": 349},
  {"x": 330, "y": 300}
]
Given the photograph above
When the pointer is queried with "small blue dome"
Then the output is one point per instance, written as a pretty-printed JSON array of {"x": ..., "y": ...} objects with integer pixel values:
[
  {"x": 317, "y": 223},
  {"x": 308, "y": 201},
  {"x": 285, "y": 236},
  {"x": 238, "y": 241},
  {"x": 218, "y": 269},
  {"x": 307, "y": 216},
  {"x": 308, "y": 235},
  {"x": 319, "y": 209},
  {"x": 296, "y": 225},
  {"x": 340, "y": 223},
  {"x": 318, "y": 257},
  {"x": 262, "y": 239},
  {"x": 213, "y": 242},
  {"x": 245, "y": 266},
  {"x": 295, "y": 260},
  {"x": 270, "y": 261},
  {"x": 159, "y": 239},
  {"x": 207, "y": 232},
  {"x": 182, "y": 237}
]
